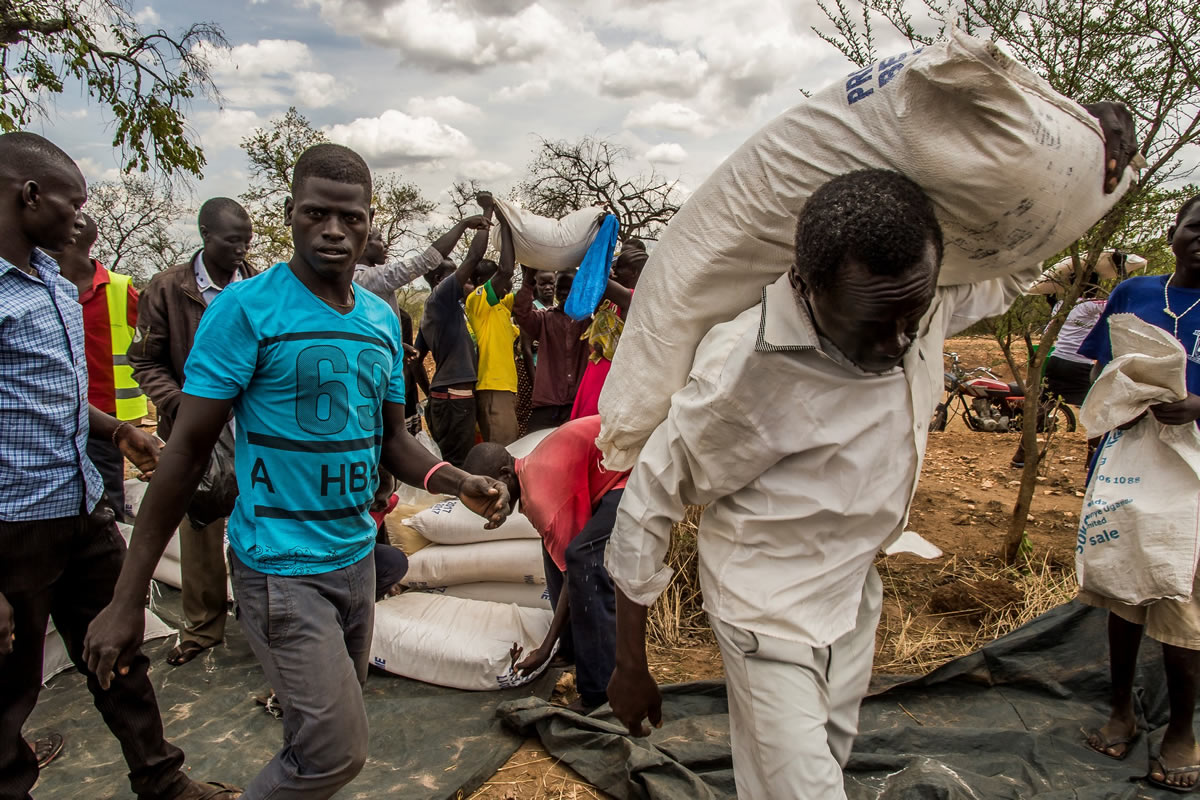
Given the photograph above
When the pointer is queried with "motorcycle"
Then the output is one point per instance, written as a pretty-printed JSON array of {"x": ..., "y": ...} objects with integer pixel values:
[{"x": 990, "y": 405}]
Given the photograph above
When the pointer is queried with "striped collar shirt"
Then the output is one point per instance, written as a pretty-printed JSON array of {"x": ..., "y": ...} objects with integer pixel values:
[{"x": 44, "y": 469}]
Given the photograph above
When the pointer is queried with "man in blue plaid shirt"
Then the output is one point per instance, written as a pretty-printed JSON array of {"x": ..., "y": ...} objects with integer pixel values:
[{"x": 60, "y": 551}]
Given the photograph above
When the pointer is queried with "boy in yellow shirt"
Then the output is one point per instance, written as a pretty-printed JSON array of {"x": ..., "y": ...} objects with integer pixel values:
[{"x": 489, "y": 312}]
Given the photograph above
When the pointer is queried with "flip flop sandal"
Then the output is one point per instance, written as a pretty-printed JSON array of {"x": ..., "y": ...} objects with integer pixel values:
[
  {"x": 1103, "y": 745},
  {"x": 1169, "y": 772},
  {"x": 47, "y": 748},
  {"x": 184, "y": 652}
]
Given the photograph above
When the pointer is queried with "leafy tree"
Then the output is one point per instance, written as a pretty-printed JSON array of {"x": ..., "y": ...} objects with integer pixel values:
[
  {"x": 1143, "y": 53},
  {"x": 136, "y": 221},
  {"x": 566, "y": 176},
  {"x": 145, "y": 79},
  {"x": 400, "y": 209}
]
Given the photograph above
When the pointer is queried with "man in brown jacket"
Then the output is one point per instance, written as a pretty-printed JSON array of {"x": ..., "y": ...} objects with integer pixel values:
[{"x": 169, "y": 313}]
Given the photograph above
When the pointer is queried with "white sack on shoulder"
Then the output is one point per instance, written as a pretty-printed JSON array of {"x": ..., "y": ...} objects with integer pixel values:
[
  {"x": 551, "y": 244},
  {"x": 1015, "y": 171},
  {"x": 1149, "y": 366},
  {"x": 509, "y": 561},
  {"x": 450, "y": 522},
  {"x": 448, "y": 641}
]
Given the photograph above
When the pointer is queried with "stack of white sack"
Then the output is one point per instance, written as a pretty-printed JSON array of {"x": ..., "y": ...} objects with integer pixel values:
[
  {"x": 1014, "y": 169},
  {"x": 169, "y": 568},
  {"x": 467, "y": 561},
  {"x": 556, "y": 245},
  {"x": 449, "y": 641}
]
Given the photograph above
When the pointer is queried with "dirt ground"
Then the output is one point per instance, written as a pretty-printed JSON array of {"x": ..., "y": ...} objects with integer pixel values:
[{"x": 933, "y": 610}]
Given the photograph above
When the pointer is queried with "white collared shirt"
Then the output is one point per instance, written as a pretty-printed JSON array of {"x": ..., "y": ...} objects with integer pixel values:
[
  {"x": 204, "y": 281},
  {"x": 807, "y": 465}
]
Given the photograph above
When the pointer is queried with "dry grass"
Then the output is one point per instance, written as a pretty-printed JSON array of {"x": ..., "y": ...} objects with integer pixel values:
[
  {"x": 533, "y": 774},
  {"x": 678, "y": 615},
  {"x": 918, "y": 644}
]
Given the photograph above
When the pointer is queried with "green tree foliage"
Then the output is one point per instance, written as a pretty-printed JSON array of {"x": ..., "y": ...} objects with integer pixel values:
[{"x": 144, "y": 79}]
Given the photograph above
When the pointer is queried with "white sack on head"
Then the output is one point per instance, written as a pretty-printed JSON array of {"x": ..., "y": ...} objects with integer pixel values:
[
  {"x": 1014, "y": 169},
  {"x": 556, "y": 245},
  {"x": 1058, "y": 277}
]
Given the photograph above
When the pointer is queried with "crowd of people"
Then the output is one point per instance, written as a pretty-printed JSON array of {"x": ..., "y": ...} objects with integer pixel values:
[{"x": 318, "y": 377}]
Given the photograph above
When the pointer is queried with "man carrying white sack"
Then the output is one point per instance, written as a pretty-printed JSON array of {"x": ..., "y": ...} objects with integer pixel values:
[{"x": 802, "y": 427}]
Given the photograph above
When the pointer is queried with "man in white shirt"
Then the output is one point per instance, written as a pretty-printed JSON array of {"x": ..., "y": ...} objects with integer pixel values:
[{"x": 802, "y": 427}]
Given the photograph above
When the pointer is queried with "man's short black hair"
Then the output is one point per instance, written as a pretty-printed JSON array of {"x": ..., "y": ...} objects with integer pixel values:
[
  {"x": 633, "y": 243},
  {"x": 214, "y": 207},
  {"x": 25, "y": 153},
  {"x": 878, "y": 217},
  {"x": 332, "y": 162},
  {"x": 485, "y": 269},
  {"x": 487, "y": 459}
]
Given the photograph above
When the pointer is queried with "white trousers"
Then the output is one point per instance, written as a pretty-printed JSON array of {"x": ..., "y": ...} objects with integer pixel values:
[{"x": 793, "y": 709}]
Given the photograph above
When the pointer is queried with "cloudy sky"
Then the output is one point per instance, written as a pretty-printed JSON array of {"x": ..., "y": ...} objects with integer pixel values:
[{"x": 447, "y": 89}]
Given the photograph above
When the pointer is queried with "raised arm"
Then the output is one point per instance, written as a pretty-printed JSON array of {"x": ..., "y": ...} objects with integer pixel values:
[
  {"x": 478, "y": 246},
  {"x": 619, "y": 296}
]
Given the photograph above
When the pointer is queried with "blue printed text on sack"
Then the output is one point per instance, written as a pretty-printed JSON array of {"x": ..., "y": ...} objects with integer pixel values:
[{"x": 862, "y": 84}]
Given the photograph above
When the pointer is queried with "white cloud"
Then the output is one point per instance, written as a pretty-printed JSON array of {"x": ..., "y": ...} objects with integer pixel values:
[
  {"x": 93, "y": 171},
  {"x": 638, "y": 68},
  {"x": 395, "y": 139},
  {"x": 452, "y": 35},
  {"x": 538, "y": 87},
  {"x": 270, "y": 72},
  {"x": 666, "y": 153},
  {"x": 484, "y": 171},
  {"x": 79, "y": 113},
  {"x": 226, "y": 127},
  {"x": 317, "y": 89},
  {"x": 443, "y": 107},
  {"x": 147, "y": 17},
  {"x": 671, "y": 116}
]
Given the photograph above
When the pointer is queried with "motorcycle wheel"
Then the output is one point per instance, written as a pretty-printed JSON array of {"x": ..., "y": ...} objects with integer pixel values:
[
  {"x": 1062, "y": 419},
  {"x": 938, "y": 423}
]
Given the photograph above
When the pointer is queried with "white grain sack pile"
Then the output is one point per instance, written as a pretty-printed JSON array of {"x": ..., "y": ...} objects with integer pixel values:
[
  {"x": 505, "y": 561},
  {"x": 450, "y": 522},
  {"x": 448, "y": 641},
  {"x": 528, "y": 595},
  {"x": 1014, "y": 169}
]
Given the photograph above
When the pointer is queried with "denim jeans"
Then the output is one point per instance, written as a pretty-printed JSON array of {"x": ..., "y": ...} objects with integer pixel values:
[
  {"x": 593, "y": 629},
  {"x": 312, "y": 634}
]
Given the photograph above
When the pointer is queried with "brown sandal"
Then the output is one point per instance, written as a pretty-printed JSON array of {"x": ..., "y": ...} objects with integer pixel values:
[{"x": 184, "y": 652}]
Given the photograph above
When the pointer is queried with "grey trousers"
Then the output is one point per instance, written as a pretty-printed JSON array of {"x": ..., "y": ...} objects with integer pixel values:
[
  {"x": 793, "y": 709},
  {"x": 312, "y": 634},
  {"x": 202, "y": 570}
]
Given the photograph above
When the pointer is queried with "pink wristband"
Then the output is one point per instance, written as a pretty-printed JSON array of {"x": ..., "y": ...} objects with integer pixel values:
[{"x": 432, "y": 470}]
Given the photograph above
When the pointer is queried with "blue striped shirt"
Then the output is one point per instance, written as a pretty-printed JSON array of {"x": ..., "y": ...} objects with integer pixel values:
[{"x": 44, "y": 469}]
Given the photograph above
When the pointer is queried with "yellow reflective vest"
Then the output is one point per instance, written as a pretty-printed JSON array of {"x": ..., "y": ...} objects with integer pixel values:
[{"x": 131, "y": 402}]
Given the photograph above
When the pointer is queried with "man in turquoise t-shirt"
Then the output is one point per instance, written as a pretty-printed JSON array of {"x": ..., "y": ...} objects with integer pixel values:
[{"x": 313, "y": 372}]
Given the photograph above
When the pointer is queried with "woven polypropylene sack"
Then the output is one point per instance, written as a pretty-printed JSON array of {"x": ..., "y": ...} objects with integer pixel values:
[
  {"x": 448, "y": 641},
  {"x": 533, "y": 595},
  {"x": 551, "y": 244},
  {"x": 450, "y": 522},
  {"x": 1014, "y": 169},
  {"x": 510, "y": 561}
]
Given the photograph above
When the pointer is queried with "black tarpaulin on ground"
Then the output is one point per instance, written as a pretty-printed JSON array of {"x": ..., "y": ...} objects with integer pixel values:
[
  {"x": 1005, "y": 722},
  {"x": 426, "y": 741}
]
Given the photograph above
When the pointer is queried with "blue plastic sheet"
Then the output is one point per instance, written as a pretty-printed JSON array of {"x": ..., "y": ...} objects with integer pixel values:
[{"x": 592, "y": 278}]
